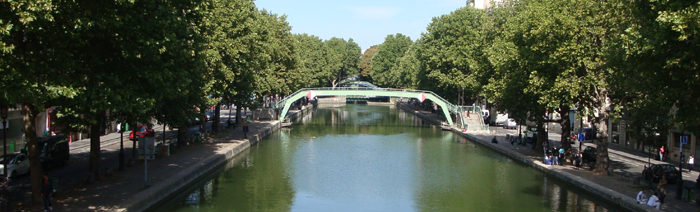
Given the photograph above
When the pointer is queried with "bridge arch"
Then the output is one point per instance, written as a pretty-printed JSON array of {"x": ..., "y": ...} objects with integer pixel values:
[{"x": 446, "y": 106}]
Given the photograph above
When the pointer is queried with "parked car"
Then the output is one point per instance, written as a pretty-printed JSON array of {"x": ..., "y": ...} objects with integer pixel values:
[
  {"x": 589, "y": 156},
  {"x": 655, "y": 172},
  {"x": 52, "y": 150},
  {"x": 17, "y": 164},
  {"x": 140, "y": 131},
  {"x": 510, "y": 124}
]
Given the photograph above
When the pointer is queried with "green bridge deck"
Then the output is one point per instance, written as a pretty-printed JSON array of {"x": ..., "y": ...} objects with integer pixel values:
[{"x": 446, "y": 106}]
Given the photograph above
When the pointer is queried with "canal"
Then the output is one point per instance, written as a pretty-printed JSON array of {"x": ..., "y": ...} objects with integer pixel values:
[{"x": 375, "y": 158}]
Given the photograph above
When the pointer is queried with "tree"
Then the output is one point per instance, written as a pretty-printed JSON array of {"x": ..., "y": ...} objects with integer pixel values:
[
  {"x": 342, "y": 59},
  {"x": 453, "y": 52},
  {"x": 366, "y": 63},
  {"x": 122, "y": 53},
  {"x": 312, "y": 61},
  {"x": 34, "y": 69},
  {"x": 658, "y": 62},
  {"x": 406, "y": 70},
  {"x": 393, "y": 48}
]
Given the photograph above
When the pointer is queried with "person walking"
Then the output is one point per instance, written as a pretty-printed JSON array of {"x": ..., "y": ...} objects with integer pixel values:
[
  {"x": 691, "y": 163},
  {"x": 46, "y": 191},
  {"x": 577, "y": 159},
  {"x": 661, "y": 153}
]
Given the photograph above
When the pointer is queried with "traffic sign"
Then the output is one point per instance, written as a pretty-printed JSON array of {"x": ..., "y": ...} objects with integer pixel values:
[{"x": 684, "y": 139}]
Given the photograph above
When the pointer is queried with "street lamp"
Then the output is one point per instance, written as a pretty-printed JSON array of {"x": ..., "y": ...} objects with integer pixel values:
[{"x": 4, "y": 112}]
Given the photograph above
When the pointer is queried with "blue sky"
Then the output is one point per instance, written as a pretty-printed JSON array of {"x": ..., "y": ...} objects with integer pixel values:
[{"x": 366, "y": 22}]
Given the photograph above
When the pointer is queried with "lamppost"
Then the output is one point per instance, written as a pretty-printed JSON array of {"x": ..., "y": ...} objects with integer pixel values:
[
  {"x": 4, "y": 112},
  {"x": 121, "y": 147}
]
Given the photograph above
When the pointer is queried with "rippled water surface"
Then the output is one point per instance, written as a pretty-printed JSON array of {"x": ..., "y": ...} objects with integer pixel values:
[{"x": 376, "y": 158}]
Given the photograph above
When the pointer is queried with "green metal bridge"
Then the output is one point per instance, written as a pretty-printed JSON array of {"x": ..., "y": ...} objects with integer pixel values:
[{"x": 447, "y": 107}]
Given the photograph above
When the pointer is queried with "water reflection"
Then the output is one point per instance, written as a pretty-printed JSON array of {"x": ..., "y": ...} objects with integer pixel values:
[{"x": 373, "y": 158}]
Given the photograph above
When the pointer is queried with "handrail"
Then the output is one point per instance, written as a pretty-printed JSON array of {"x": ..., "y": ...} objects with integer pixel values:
[{"x": 450, "y": 106}]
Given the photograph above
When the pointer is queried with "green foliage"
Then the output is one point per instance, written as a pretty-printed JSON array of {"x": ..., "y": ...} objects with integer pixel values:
[
  {"x": 393, "y": 48},
  {"x": 310, "y": 51},
  {"x": 366, "y": 63},
  {"x": 658, "y": 63},
  {"x": 342, "y": 59},
  {"x": 406, "y": 69},
  {"x": 453, "y": 52}
]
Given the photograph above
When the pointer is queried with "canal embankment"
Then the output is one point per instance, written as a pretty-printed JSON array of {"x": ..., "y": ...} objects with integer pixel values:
[
  {"x": 136, "y": 189},
  {"x": 607, "y": 193},
  {"x": 176, "y": 182},
  {"x": 163, "y": 191}
]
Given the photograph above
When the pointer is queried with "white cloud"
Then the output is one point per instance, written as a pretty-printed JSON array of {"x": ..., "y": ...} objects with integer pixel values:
[{"x": 376, "y": 13}]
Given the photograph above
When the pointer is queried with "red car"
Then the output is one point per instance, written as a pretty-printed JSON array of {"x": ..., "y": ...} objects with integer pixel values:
[{"x": 140, "y": 132}]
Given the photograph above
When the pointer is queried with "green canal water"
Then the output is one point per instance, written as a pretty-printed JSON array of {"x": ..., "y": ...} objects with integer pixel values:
[{"x": 376, "y": 158}]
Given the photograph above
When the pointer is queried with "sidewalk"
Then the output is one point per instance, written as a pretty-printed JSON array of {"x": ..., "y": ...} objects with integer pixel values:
[{"x": 617, "y": 189}]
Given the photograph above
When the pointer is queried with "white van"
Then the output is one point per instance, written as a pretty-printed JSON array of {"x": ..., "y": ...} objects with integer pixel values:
[{"x": 501, "y": 119}]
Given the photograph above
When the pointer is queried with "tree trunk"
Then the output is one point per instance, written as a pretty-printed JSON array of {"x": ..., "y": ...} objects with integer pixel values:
[
  {"x": 215, "y": 120},
  {"x": 565, "y": 129},
  {"x": 36, "y": 171},
  {"x": 601, "y": 122},
  {"x": 182, "y": 136},
  {"x": 95, "y": 156},
  {"x": 202, "y": 120},
  {"x": 238, "y": 114},
  {"x": 541, "y": 137}
]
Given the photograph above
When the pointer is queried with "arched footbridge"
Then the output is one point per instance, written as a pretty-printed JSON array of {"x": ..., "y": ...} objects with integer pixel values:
[{"x": 477, "y": 124}]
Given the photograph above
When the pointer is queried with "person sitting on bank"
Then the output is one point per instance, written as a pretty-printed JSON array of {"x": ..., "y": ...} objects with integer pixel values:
[
  {"x": 642, "y": 197},
  {"x": 494, "y": 140},
  {"x": 654, "y": 201}
]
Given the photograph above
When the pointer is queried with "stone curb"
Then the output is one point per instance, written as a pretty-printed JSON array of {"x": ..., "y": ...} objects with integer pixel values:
[{"x": 148, "y": 198}]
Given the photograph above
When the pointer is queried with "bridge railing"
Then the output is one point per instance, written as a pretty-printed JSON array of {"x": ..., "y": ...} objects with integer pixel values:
[
  {"x": 283, "y": 101},
  {"x": 476, "y": 110},
  {"x": 450, "y": 107}
]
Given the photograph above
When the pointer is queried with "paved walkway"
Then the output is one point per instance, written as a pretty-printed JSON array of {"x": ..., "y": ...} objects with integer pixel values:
[
  {"x": 621, "y": 159},
  {"x": 116, "y": 188}
]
